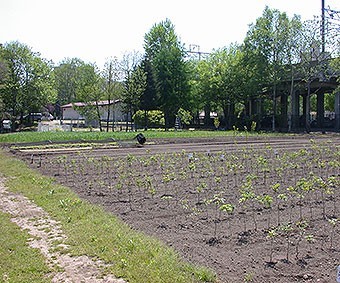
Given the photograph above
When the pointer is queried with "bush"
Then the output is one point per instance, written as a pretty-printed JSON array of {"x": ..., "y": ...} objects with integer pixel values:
[
  {"x": 154, "y": 118},
  {"x": 186, "y": 117}
]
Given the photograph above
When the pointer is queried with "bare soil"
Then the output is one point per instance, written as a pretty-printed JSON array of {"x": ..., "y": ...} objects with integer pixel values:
[{"x": 174, "y": 190}]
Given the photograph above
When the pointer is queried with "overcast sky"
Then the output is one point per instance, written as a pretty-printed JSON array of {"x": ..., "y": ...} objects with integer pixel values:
[{"x": 96, "y": 30}]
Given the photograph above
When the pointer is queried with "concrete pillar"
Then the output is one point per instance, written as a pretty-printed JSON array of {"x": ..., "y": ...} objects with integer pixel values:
[
  {"x": 284, "y": 111},
  {"x": 295, "y": 109},
  {"x": 320, "y": 110},
  {"x": 337, "y": 111}
]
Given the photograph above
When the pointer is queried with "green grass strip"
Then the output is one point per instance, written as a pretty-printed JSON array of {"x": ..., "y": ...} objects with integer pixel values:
[
  {"x": 119, "y": 136},
  {"x": 19, "y": 262},
  {"x": 96, "y": 233}
]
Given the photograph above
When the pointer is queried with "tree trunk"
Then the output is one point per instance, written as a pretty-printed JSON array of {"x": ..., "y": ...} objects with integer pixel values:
[
  {"x": 274, "y": 107},
  {"x": 113, "y": 118},
  {"x": 207, "y": 121},
  {"x": 108, "y": 115},
  {"x": 145, "y": 119},
  {"x": 127, "y": 120},
  {"x": 98, "y": 116}
]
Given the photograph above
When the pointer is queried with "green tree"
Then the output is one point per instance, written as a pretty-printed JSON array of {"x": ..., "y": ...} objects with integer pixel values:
[
  {"x": 3, "y": 76},
  {"x": 166, "y": 56},
  {"x": 29, "y": 85},
  {"x": 134, "y": 87},
  {"x": 3, "y": 67},
  {"x": 203, "y": 84},
  {"x": 89, "y": 90},
  {"x": 335, "y": 64},
  {"x": 112, "y": 87},
  {"x": 67, "y": 76},
  {"x": 267, "y": 41},
  {"x": 230, "y": 80},
  {"x": 149, "y": 97},
  {"x": 312, "y": 61}
]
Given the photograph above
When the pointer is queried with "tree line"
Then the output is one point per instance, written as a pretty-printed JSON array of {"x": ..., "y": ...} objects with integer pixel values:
[{"x": 165, "y": 78}]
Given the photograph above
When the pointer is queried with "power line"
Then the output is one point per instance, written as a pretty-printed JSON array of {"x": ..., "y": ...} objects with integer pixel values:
[
  {"x": 194, "y": 49},
  {"x": 330, "y": 23}
]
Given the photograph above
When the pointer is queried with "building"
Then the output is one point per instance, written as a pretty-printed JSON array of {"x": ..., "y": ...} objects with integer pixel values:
[{"x": 73, "y": 113}]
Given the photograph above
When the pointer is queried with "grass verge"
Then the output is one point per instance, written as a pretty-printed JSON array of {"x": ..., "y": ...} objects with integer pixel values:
[
  {"x": 95, "y": 136},
  {"x": 96, "y": 233},
  {"x": 19, "y": 262}
]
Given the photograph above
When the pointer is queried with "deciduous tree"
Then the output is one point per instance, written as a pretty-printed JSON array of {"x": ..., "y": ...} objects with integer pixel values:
[
  {"x": 29, "y": 83},
  {"x": 166, "y": 56}
]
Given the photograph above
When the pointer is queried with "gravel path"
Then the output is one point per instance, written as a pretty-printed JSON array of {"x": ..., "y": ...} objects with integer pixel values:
[{"x": 45, "y": 233}]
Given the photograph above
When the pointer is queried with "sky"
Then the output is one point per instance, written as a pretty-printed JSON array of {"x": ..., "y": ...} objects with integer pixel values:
[{"x": 97, "y": 30}]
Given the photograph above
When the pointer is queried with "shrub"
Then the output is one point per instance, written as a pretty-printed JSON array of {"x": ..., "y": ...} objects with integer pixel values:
[{"x": 154, "y": 118}]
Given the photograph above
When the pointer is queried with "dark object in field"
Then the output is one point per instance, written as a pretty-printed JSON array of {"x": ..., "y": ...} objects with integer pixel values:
[{"x": 140, "y": 138}]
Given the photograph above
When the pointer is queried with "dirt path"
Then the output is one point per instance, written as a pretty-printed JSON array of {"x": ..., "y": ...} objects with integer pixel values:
[{"x": 45, "y": 233}]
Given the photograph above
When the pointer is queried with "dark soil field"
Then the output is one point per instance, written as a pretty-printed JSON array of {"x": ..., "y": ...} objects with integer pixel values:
[{"x": 253, "y": 209}]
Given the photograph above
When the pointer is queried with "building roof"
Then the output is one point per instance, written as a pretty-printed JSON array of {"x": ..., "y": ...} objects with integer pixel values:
[{"x": 82, "y": 104}]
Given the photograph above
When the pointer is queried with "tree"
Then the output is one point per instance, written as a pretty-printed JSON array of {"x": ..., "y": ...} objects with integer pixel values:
[
  {"x": 313, "y": 63},
  {"x": 229, "y": 80},
  {"x": 89, "y": 91},
  {"x": 134, "y": 87},
  {"x": 268, "y": 41},
  {"x": 3, "y": 76},
  {"x": 67, "y": 76},
  {"x": 29, "y": 84},
  {"x": 203, "y": 87},
  {"x": 166, "y": 56},
  {"x": 3, "y": 67},
  {"x": 149, "y": 97},
  {"x": 335, "y": 64},
  {"x": 112, "y": 75}
]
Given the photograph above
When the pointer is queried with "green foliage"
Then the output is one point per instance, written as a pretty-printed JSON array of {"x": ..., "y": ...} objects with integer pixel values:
[
  {"x": 92, "y": 231},
  {"x": 186, "y": 117},
  {"x": 227, "y": 208},
  {"x": 29, "y": 83},
  {"x": 216, "y": 122},
  {"x": 111, "y": 85},
  {"x": 226, "y": 80},
  {"x": 134, "y": 87},
  {"x": 152, "y": 119},
  {"x": 67, "y": 76},
  {"x": 166, "y": 56}
]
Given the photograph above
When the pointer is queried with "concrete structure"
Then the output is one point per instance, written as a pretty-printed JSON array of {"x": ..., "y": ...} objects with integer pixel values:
[
  {"x": 293, "y": 103},
  {"x": 72, "y": 112}
]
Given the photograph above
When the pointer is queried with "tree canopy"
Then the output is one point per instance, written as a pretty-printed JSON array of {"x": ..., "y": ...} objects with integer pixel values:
[
  {"x": 241, "y": 82},
  {"x": 165, "y": 54}
]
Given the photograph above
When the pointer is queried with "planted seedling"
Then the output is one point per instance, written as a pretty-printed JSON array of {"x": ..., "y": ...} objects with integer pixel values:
[
  {"x": 199, "y": 189},
  {"x": 217, "y": 200},
  {"x": 272, "y": 234},
  {"x": 287, "y": 230},
  {"x": 333, "y": 222},
  {"x": 301, "y": 225},
  {"x": 280, "y": 198},
  {"x": 266, "y": 201},
  {"x": 227, "y": 208},
  {"x": 248, "y": 195},
  {"x": 310, "y": 240}
]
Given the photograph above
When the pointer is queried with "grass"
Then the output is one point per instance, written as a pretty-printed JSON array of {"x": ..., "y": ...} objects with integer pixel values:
[
  {"x": 96, "y": 136},
  {"x": 19, "y": 262},
  {"x": 94, "y": 232}
]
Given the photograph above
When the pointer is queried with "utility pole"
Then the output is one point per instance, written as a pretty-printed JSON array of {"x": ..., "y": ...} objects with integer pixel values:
[
  {"x": 323, "y": 26},
  {"x": 331, "y": 18},
  {"x": 195, "y": 49}
]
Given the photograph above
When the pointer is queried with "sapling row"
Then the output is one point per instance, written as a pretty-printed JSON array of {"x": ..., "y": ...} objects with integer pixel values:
[{"x": 260, "y": 188}]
